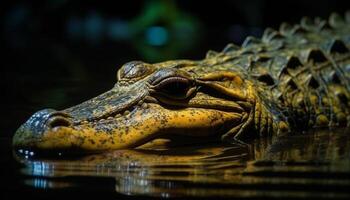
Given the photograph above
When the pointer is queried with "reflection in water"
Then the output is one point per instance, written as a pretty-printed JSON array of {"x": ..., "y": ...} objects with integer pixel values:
[{"x": 316, "y": 164}]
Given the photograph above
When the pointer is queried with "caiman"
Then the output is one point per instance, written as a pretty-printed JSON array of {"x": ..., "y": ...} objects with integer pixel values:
[{"x": 290, "y": 80}]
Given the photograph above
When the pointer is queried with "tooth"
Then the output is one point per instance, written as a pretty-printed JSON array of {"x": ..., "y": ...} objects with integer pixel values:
[
  {"x": 140, "y": 103},
  {"x": 110, "y": 118},
  {"x": 144, "y": 106},
  {"x": 126, "y": 112}
]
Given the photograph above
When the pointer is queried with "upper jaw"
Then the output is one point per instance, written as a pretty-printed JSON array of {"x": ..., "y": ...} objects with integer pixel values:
[
  {"x": 109, "y": 104},
  {"x": 113, "y": 103}
]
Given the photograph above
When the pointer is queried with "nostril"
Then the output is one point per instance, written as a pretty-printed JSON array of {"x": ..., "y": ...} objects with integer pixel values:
[{"x": 57, "y": 121}]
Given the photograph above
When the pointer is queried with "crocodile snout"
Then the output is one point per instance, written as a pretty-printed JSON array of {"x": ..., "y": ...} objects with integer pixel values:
[{"x": 38, "y": 124}]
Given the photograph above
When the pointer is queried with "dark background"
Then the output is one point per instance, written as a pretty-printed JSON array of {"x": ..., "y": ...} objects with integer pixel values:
[{"x": 58, "y": 53}]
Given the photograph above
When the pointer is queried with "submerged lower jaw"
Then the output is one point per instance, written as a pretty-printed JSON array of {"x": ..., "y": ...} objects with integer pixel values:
[
  {"x": 83, "y": 138},
  {"x": 56, "y": 142},
  {"x": 29, "y": 140}
]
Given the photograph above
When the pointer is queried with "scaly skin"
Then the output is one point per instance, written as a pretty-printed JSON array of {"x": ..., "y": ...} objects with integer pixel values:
[{"x": 291, "y": 79}]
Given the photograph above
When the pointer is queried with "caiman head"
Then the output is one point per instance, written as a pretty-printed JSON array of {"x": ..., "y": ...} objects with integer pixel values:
[{"x": 150, "y": 101}]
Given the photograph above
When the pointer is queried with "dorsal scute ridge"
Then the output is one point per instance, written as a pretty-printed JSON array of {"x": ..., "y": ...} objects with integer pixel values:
[
  {"x": 291, "y": 46},
  {"x": 211, "y": 53},
  {"x": 307, "y": 23},
  {"x": 298, "y": 29},
  {"x": 335, "y": 20},
  {"x": 230, "y": 48},
  {"x": 250, "y": 40},
  {"x": 271, "y": 34},
  {"x": 285, "y": 28}
]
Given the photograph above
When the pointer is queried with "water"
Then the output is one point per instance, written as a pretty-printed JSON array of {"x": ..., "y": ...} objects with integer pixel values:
[{"x": 314, "y": 164}]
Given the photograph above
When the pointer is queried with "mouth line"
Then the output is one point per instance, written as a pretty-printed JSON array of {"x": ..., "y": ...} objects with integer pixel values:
[
  {"x": 176, "y": 103},
  {"x": 144, "y": 104}
]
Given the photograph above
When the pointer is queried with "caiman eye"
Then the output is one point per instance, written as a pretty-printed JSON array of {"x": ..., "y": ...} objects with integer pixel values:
[
  {"x": 176, "y": 87},
  {"x": 134, "y": 70}
]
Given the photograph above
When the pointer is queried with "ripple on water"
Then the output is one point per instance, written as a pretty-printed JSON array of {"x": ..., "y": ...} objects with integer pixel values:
[{"x": 316, "y": 164}]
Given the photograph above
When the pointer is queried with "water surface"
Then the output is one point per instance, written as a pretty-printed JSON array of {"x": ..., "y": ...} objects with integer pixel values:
[{"x": 314, "y": 164}]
